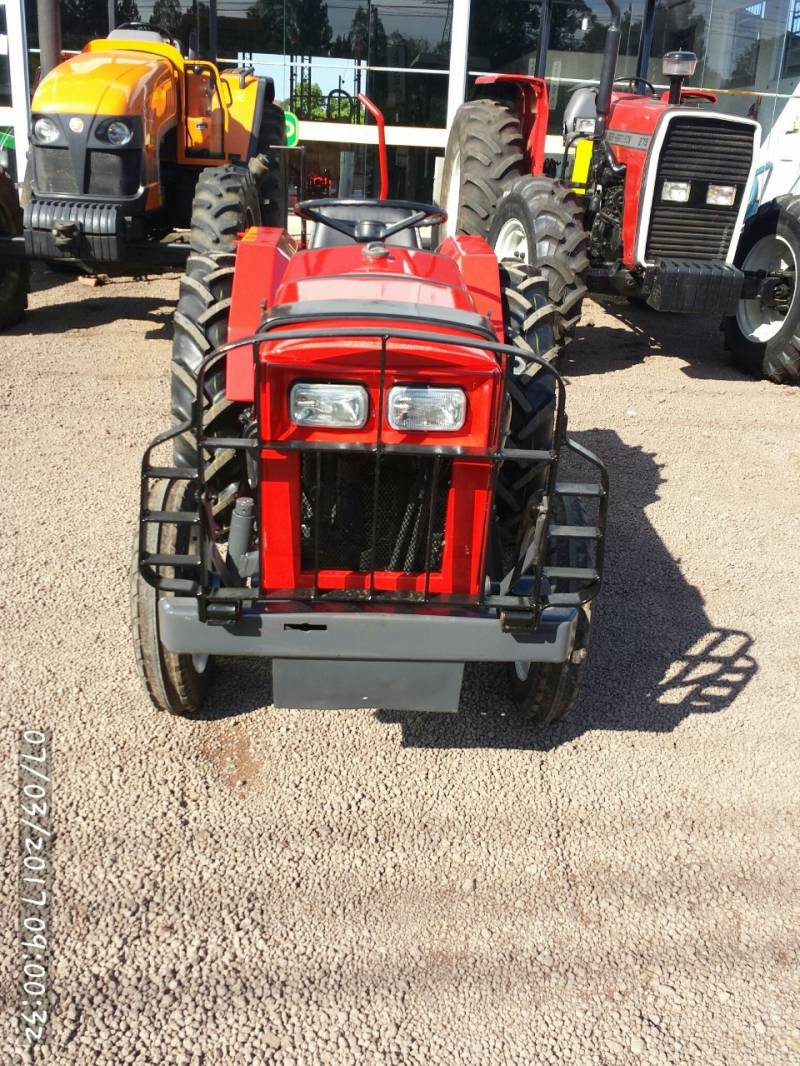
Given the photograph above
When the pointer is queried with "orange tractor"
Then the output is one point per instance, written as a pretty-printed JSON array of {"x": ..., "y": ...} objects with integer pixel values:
[{"x": 131, "y": 143}]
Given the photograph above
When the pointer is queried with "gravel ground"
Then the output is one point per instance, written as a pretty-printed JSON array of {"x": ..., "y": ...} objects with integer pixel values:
[{"x": 364, "y": 887}]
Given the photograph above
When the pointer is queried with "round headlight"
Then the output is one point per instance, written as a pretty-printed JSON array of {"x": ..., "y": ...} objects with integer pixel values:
[
  {"x": 46, "y": 130},
  {"x": 118, "y": 133}
]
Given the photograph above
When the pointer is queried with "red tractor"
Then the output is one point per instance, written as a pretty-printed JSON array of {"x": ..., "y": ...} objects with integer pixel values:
[
  {"x": 371, "y": 481},
  {"x": 648, "y": 201}
]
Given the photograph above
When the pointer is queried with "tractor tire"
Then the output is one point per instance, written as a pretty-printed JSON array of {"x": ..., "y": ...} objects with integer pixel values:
[
  {"x": 764, "y": 341},
  {"x": 539, "y": 221},
  {"x": 14, "y": 277},
  {"x": 201, "y": 324},
  {"x": 269, "y": 167},
  {"x": 226, "y": 201},
  {"x": 483, "y": 157},
  {"x": 529, "y": 325},
  {"x": 176, "y": 684},
  {"x": 544, "y": 692}
]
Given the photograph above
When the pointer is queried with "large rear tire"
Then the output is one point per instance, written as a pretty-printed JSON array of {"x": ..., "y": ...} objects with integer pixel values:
[
  {"x": 483, "y": 156},
  {"x": 14, "y": 277},
  {"x": 539, "y": 221},
  {"x": 269, "y": 167},
  {"x": 545, "y": 692},
  {"x": 226, "y": 201},
  {"x": 176, "y": 684},
  {"x": 763, "y": 336},
  {"x": 201, "y": 324},
  {"x": 528, "y": 317}
]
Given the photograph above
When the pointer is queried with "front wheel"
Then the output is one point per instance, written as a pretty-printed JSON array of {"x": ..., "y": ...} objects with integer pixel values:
[
  {"x": 14, "y": 277},
  {"x": 539, "y": 222},
  {"x": 763, "y": 336},
  {"x": 544, "y": 692},
  {"x": 175, "y": 683}
]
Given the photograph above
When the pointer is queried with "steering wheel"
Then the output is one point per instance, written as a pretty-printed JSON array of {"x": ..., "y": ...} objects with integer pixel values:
[
  {"x": 371, "y": 229},
  {"x": 147, "y": 26},
  {"x": 636, "y": 80}
]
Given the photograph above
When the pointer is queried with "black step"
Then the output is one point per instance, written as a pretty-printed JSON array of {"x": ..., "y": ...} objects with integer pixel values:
[
  {"x": 178, "y": 517},
  {"x": 171, "y": 560},
  {"x": 577, "y": 488},
  {"x": 564, "y": 599},
  {"x": 576, "y": 532},
  {"x": 571, "y": 573},
  {"x": 180, "y": 472}
]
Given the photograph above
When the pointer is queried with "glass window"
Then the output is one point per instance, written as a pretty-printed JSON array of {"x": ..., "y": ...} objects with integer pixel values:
[{"x": 351, "y": 171}]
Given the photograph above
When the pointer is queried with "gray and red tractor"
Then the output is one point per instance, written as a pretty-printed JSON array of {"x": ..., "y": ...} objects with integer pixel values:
[
  {"x": 650, "y": 200},
  {"x": 368, "y": 478}
]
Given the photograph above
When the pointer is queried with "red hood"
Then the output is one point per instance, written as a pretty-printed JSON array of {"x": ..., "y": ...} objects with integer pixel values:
[{"x": 347, "y": 273}]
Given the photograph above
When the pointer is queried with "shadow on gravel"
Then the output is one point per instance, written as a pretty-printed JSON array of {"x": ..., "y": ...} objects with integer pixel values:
[
  {"x": 655, "y": 655},
  {"x": 99, "y": 311},
  {"x": 696, "y": 339}
]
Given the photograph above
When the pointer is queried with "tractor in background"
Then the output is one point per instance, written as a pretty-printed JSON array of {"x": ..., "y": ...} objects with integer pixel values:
[
  {"x": 649, "y": 200},
  {"x": 368, "y": 478},
  {"x": 140, "y": 154}
]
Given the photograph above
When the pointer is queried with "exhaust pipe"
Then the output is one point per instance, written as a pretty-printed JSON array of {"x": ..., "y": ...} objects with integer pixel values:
[{"x": 609, "y": 69}]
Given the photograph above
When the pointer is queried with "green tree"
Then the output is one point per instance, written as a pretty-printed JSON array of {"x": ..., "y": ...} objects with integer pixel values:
[{"x": 167, "y": 13}]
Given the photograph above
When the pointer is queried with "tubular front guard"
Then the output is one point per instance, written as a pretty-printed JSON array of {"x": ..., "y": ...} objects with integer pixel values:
[{"x": 374, "y": 642}]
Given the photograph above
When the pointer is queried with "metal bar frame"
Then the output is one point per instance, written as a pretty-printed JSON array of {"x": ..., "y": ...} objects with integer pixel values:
[{"x": 217, "y": 601}]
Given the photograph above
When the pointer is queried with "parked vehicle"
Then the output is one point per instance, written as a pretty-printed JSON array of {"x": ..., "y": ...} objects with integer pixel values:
[
  {"x": 649, "y": 200},
  {"x": 131, "y": 142},
  {"x": 371, "y": 482}
]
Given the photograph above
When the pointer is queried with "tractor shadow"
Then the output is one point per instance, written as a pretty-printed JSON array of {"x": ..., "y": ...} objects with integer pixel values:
[
  {"x": 641, "y": 333},
  {"x": 90, "y": 307},
  {"x": 655, "y": 655}
]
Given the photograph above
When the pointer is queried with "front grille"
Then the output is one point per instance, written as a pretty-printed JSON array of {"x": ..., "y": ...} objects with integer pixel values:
[
  {"x": 114, "y": 173},
  {"x": 54, "y": 173},
  {"x": 702, "y": 151},
  {"x": 338, "y": 501}
]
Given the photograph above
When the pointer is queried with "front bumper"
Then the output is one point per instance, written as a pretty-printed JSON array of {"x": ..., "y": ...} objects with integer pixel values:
[
  {"x": 365, "y": 634},
  {"x": 329, "y": 659},
  {"x": 62, "y": 229},
  {"x": 694, "y": 286}
]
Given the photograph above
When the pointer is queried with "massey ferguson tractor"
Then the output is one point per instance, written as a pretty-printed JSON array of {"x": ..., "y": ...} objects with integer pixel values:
[
  {"x": 649, "y": 200},
  {"x": 131, "y": 142},
  {"x": 368, "y": 479}
]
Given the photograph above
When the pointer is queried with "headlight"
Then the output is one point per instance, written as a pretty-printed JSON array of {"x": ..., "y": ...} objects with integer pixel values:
[
  {"x": 721, "y": 195},
  {"x": 679, "y": 64},
  {"x": 116, "y": 133},
  {"x": 331, "y": 406},
  {"x": 418, "y": 407},
  {"x": 46, "y": 130},
  {"x": 677, "y": 192}
]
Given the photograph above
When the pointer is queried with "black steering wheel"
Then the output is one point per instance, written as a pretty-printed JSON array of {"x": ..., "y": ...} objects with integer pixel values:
[
  {"x": 636, "y": 80},
  {"x": 371, "y": 229},
  {"x": 147, "y": 26}
]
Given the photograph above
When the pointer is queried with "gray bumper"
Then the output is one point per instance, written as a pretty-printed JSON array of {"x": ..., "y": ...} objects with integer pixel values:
[{"x": 366, "y": 635}]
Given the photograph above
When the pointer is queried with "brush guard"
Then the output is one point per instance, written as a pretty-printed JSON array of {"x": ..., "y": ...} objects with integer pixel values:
[{"x": 518, "y": 598}]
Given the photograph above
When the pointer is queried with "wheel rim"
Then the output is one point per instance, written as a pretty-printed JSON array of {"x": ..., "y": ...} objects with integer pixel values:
[
  {"x": 453, "y": 196},
  {"x": 759, "y": 321},
  {"x": 200, "y": 663},
  {"x": 512, "y": 241},
  {"x": 522, "y": 669}
]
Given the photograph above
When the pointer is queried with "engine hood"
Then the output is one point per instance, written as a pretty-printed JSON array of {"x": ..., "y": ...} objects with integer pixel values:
[
  {"x": 103, "y": 83},
  {"x": 350, "y": 273}
]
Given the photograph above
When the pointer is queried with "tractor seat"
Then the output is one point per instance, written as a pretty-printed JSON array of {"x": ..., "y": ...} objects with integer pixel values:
[
  {"x": 326, "y": 237},
  {"x": 122, "y": 34}
]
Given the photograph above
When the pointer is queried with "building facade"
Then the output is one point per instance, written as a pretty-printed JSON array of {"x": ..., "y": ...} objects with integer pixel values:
[{"x": 418, "y": 58}]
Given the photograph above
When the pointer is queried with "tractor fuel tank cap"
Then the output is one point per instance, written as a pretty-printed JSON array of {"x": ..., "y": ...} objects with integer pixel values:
[{"x": 375, "y": 250}]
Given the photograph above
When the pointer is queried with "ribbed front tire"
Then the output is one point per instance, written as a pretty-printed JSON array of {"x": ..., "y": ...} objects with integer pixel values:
[{"x": 14, "y": 277}]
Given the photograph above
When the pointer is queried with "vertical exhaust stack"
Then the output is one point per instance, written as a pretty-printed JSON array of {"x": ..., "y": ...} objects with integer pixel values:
[
  {"x": 49, "y": 21},
  {"x": 608, "y": 70}
]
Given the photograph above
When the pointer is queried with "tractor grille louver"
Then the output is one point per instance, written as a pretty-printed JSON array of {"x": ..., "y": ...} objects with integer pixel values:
[
  {"x": 701, "y": 151},
  {"x": 343, "y": 513},
  {"x": 54, "y": 173}
]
